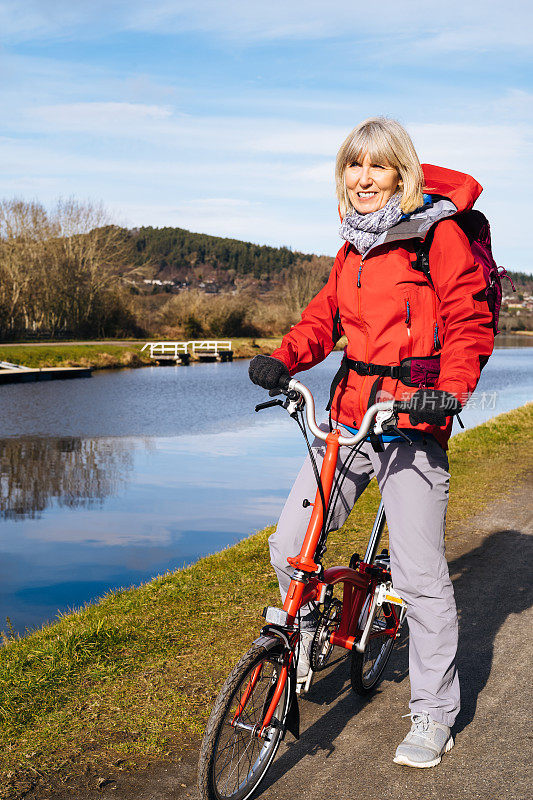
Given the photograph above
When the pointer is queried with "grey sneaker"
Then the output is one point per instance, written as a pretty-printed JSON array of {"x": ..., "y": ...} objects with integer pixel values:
[
  {"x": 304, "y": 666},
  {"x": 425, "y": 743}
]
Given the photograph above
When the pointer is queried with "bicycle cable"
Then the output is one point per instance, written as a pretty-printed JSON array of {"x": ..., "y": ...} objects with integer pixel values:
[
  {"x": 342, "y": 473},
  {"x": 301, "y": 425},
  {"x": 328, "y": 511},
  {"x": 339, "y": 480}
]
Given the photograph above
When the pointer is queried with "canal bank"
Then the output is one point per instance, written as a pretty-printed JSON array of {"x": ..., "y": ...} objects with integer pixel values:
[
  {"x": 130, "y": 679},
  {"x": 109, "y": 354},
  {"x": 114, "y": 354}
]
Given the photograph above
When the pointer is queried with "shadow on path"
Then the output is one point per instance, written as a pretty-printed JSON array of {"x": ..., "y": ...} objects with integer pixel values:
[{"x": 491, "y": 582}]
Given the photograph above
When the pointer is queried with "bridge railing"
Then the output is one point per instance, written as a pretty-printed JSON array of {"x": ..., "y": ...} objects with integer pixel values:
[
  {"x": 165, "y": 348},
  {"x": 175, "y": 348},
  {"x": 210, "y": 346}
]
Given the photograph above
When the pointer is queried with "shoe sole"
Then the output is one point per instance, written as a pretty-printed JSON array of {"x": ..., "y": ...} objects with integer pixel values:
[{"x": 407, "y": 763}]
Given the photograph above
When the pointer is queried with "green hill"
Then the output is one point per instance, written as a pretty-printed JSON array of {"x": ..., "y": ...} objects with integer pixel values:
[{"x": 178, "y": 252}]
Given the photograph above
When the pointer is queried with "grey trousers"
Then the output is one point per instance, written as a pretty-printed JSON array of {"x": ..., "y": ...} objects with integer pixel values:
[{"x": 414, "y": 484}]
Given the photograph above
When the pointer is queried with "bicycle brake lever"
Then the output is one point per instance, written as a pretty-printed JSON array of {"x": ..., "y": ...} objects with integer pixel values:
[
  {"x": 383, "y": 418},
  {"x": 293, "y": 404},
  {"x": 269, "y": 404},
  {"x": 398, "y": 432},
  {"x": 290, "y": 393}
]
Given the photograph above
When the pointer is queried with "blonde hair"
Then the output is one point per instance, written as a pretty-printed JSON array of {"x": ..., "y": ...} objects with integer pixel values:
[{"x": 385, "y": 140}]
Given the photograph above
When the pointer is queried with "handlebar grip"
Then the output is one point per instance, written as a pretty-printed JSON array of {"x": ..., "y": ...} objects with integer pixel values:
[
  {"x": 284, "y": 381},
  {"x": 402, "y": 406}
]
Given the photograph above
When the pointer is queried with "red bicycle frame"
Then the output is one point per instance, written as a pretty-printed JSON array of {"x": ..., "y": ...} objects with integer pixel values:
[{"x": 358, "y": 584}]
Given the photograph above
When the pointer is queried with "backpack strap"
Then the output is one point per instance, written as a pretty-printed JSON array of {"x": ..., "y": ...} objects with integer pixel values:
[
  {"x": 422, "y": 248},
  {"x": 375, "y": 440}
]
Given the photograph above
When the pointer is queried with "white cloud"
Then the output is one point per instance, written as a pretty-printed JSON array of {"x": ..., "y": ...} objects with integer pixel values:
[
  {"x": 162, "y": 123},
  {"x": 44, "y": 19},
  {"x": 515, "y": 103},
  {"x": 288, "y": 137},
  {"x": 479, "y": 145},
  {"x": 473, "y": 148},
  {"x": 90, "y": 115},
  {"x": 478, "y": 37},
  {"x": 480, "y": 24},
  {"x": 455, "y": 26}
]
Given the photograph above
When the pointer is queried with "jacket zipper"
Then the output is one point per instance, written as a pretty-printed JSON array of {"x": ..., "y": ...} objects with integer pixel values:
[
  {"x": 436, "y": 341},
  {"x": 359, "y": 274},
  {"x": 408, "y": 320},
  {"x": 366, "y": 335}
]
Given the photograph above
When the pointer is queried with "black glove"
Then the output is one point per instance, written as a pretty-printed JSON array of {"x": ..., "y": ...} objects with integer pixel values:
[
  {"x": 267, "y": 372},
  {"x": 432, "y": 406}
]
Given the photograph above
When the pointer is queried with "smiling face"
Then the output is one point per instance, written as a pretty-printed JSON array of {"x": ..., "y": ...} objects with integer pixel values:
[{"x": 370, "y": 185}]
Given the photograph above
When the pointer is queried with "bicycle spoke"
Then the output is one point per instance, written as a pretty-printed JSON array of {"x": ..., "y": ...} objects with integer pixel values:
[
  {"x": 231, "y": 743},
  {"x": 237, "y": 766}
]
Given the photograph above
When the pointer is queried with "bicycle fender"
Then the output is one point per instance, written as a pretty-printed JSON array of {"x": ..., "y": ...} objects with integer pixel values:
[
  {"x": 269, "y": 642},
  {"x": 292, "y": 722}
]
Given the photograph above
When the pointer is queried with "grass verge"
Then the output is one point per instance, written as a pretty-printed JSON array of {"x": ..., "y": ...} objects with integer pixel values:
[
  {"x": 133, "y": 676},
  {"x": 105, "y": 355}
]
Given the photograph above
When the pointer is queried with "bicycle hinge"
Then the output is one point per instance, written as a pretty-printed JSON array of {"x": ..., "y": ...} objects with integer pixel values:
[{"x": 383, "y": 593}]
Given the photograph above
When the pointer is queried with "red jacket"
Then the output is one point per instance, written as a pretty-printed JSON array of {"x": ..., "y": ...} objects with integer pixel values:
[{"x": 389, "y": 311}]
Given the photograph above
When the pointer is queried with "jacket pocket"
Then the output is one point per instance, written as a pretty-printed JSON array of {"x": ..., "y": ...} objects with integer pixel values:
[{"x": 422, "y": 335}]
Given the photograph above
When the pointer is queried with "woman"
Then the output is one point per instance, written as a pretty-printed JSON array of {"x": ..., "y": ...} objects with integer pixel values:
[{"x": 389, "y": 311}]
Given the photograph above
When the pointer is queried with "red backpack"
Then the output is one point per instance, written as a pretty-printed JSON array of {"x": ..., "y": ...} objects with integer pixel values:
[{"x": 476, "y": 227}]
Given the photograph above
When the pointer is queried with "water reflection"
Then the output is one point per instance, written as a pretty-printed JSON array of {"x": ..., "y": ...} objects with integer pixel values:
[{"x": 71, "y": 472}]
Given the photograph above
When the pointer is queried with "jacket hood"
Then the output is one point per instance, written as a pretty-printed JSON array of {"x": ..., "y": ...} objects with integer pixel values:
[
  {"x": 450, "y": 193},
  {"x": 461, "y": 189}
]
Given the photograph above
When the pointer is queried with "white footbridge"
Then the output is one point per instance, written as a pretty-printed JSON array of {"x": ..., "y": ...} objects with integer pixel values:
[{"x": 182, "y": 352}]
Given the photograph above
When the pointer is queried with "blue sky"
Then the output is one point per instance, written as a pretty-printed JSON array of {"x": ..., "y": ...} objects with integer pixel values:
[{"x": 225, "y": 117}]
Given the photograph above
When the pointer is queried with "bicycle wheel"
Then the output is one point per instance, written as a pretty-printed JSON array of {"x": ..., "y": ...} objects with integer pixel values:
[
  {"x": 233, "y": 759},
  {"x": 367, "y": 668}
]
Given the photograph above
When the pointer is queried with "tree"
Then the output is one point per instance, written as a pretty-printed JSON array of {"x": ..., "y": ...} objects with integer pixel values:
[
  {"x": 60, "y": 268},
  {"x": 304, "y": 281}
]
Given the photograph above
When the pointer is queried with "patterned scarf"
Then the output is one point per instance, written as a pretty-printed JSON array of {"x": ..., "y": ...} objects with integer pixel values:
[{"x": 362, "y": 230}]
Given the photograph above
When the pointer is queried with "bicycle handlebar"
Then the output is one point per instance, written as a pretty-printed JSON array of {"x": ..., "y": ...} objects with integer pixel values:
[
  {"x": 349, "y": 441},
  {"x": 402, "y": 406}
]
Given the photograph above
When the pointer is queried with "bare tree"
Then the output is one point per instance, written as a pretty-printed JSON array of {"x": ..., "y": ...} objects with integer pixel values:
[
  {"x": 59, "y": 268},
  {"x": 304, "y": 281}
]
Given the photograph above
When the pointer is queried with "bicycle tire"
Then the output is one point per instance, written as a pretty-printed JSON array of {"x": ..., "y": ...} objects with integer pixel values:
[
  {"x": 366, "y": 669},
  {"x": 233, "y": 780}
]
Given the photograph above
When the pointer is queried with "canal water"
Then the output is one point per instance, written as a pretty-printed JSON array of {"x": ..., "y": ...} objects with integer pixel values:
[{"x": 109, "y": 481}]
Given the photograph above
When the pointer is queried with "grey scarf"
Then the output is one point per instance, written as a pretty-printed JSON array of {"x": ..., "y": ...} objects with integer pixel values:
[{"x": 362, "y": 230}]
